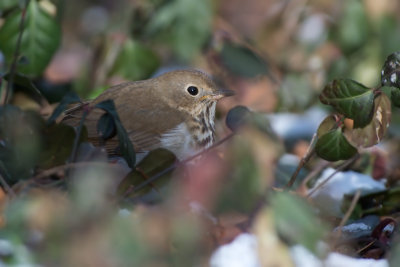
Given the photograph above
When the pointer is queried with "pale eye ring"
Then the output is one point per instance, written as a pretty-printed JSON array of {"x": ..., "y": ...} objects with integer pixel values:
[{"x": 193, "y": 90}]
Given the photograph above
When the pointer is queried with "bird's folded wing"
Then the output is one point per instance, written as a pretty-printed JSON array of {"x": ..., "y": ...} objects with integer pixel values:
[{"x": 144, "y": 124}]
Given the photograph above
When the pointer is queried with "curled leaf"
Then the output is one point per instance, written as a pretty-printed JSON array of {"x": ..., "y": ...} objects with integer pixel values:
[
  {"x": 376, "y": 129},
  {"x": 327, "y": 125}
]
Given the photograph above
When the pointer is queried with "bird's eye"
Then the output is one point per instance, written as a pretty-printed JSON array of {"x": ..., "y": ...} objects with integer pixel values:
[{"x": 193, "y": 90}]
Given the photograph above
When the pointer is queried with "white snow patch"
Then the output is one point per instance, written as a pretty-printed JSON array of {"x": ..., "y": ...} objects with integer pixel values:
[
  {"x": 124, "y": 213},
  {"x": 290, "y": 125},
  {"x": 313, "y": 29},
  {"x": 241, "y": 252},
  {"x": 329, "y": 197},
  {"x": 393, "y": 78},
  {"x": 339, "y": 260},
  {"x": 354, "y": 227},
  {"x": 302, "y": 257}
]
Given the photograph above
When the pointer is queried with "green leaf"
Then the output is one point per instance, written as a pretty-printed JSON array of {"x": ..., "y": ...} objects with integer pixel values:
[
  {"x": 184, "y": 24},
  {"x": 353, "y": 27},
  {"x": 70, "y": 97},
  {"x": 296, "y": 221},
  {"x": 374, "y": 132},
  {"x": 154, "y": 163},
  {"x": 334, "y": 146},
  {"x": 390, "y": 75},
  {"x": 20, "y": 146},
  {"x": 135, "y": 61},
  {"x": 125, "y": 143},
  {"x": 302, "y": 98},
  {"x": 245, "y": 186},
  {"x": 40, "y": 38},
  {"x": 350, "y": 98},
  {"x": 242, "y": 61}
]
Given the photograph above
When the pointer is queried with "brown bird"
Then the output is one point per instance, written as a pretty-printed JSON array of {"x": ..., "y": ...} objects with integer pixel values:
[{"x": 174, "y": 111}]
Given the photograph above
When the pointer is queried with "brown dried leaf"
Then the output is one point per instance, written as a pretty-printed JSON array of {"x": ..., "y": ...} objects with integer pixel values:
[{"x": 374, "y": 132}]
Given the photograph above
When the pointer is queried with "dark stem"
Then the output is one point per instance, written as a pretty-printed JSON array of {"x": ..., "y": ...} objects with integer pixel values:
[
  {"x": 6, "y": 187},
  {"x": 16, "y": 53},
  {"x": 78, "y": 135},
  {"x": 303, "y": 161},
  {"x": 173, "y": 166}
]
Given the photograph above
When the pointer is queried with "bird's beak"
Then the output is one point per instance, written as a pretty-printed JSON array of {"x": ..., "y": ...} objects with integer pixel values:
[{"x": 222, "y": 93}]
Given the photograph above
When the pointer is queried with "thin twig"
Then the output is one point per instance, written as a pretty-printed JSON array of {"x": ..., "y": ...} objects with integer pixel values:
[
  {"x": 340, "y": 168},
  {"x": 315, "y": 172},
  {"x": 6, "y": 187},
  {"x": 303, "y": 161},
  {"x": 74, "y": 165},
  {"x": 348, "y": 213},
  {"x": 173, "y": 166},
  {"x": 365, "y": 247},
  {"x": 16, "y": 53}
]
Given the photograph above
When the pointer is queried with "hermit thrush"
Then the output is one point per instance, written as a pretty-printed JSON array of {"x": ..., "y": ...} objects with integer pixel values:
[{"x": 174, "y": 111}]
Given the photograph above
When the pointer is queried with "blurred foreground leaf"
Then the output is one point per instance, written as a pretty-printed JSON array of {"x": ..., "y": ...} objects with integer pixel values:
[
  {"x": 20, "y": 142},
  {"x": 40, "y": 39},
  {"x": 154, "y": 163},
  {"x": 296, "y": 221},
  {"x": 252, "y": 155},
  {"x": 269, "y": 240},
  {"x": 350, "y": 98},
  {"x": 58, "y": 140},
  {"x": 241, "y": 117}
]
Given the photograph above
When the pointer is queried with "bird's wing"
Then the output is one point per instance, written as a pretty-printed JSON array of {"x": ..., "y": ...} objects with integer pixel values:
[{"x": 145, "y": 121}]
